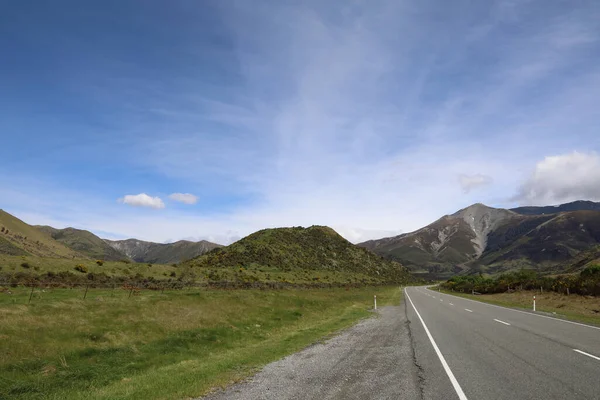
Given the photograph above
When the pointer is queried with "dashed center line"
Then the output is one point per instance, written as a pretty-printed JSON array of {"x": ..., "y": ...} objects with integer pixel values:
[
  {"x": 502, "y": 322},
  {"x": 466, "y": 309},
  {"x": 451, "y": 304},
  {"x": 587, "y": 354}
]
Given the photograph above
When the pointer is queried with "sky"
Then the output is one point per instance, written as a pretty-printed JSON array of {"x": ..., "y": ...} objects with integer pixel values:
[{"x": 214, "y": 119}]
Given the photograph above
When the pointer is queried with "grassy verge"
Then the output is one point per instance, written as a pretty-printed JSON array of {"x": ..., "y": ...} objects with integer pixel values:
[
  {"x": 574, "y": 307},
  {"x": 161, "y": 346}
]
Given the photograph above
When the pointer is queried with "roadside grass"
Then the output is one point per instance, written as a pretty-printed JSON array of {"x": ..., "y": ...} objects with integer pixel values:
[
  {"x": 173, "y": 345},
  {"x": 572, "y": 307}
]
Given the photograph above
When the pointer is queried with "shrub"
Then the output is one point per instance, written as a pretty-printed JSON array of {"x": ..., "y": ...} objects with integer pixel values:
[
  {"x": 81, "y": 268},
  {"x": 149, "y": 265},
  {"x": 25, "y": 265},
  {"x": 125, "y": 261},
  {"x": 173, "y": 274},
  {"x": 100, "y": 262}
]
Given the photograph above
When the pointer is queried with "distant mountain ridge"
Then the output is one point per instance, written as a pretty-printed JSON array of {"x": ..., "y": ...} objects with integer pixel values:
[
  {"x": 482, "y": 238},
  {"x": 18, "y": 238},
  {"x": 160, "y": 253},
  {"x": 580, "y": 205}
]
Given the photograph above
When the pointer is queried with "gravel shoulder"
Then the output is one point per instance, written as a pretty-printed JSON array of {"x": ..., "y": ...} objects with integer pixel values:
[{"x": 372, "y": 360}]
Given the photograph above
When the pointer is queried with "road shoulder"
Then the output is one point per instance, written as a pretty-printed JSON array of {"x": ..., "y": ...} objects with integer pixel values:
[{"x": 373, "y": 359}]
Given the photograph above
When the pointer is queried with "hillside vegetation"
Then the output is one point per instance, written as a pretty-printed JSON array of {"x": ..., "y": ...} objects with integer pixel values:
[
  {"x": 84, "y": 242},
  {"x": 19, "y": 238},
  {"x": 313, "y": 248}
]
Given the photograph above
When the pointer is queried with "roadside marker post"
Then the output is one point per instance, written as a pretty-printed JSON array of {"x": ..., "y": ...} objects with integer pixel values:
[
  {"x": 375, "y": 301},
  {"x": 533, "y": 303}
]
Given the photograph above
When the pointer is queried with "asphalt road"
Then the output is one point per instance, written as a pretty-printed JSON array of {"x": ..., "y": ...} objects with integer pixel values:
[{"x": 489, "y": 352}]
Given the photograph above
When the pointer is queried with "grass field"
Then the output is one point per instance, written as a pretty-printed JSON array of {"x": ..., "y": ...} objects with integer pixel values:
[
  {"x": 574, "y": 307},
  {"x": 160, "y": 346}
]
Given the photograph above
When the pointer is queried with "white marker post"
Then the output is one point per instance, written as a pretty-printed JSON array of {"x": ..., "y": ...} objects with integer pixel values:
[
  {"x": 533, "y": 303},
  {"x": 375, "y": 300}
]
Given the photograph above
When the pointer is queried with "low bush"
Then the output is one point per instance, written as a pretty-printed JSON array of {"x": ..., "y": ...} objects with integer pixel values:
[
  {"x": 586, "y": 283},
  {"x": 81, "y": 268}
]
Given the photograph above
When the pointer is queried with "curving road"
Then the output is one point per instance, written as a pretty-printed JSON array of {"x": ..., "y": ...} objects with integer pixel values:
[{"x": 472, "y": 350}]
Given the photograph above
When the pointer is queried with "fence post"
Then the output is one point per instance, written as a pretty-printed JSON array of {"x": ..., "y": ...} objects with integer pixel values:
[
  {"x": 30, "y": 294},
  {"x": 375, "y": 301},
  {"x": 86, "y": 290},
  {"x": 533, "y": 303}
]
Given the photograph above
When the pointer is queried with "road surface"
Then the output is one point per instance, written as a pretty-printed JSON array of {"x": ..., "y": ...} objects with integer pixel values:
[
  {"x": 437, "y": 346},
  {"x": 489, "y": 352}
]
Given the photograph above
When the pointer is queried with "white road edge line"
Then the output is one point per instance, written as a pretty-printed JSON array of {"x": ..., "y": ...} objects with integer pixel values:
[
  {"x": 455, "y": 384},
  {"x": 502, "y": 322},
  {"x": 525, "y": 312},
  {"x": 451, "y": 304},
  {"x": 587, "y": 354},
  {"x": 466, "y": 309}
]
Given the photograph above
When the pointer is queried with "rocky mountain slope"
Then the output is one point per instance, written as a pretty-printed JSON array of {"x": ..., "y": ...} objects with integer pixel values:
[
  {"x": 481, "y": 238},
  {"x": 313, "y": 248},
  {"x": 161, "y": 253},
  {"x": 84, "y": 242}
]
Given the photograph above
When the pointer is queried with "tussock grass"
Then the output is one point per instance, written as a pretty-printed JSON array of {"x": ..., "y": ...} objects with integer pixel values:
[{"x": 160, "y": 346}]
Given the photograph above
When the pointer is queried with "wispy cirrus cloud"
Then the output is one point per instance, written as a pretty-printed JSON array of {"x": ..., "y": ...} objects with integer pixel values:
[
  {"x": 185, "y": 198},
  {"x": 470, "y": 182},
  {"x": 354, "y": 115}
]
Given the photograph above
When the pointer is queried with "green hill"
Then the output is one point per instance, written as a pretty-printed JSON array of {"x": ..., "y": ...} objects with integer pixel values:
[
  {"x": 20, "y": 238},
  {"x": 84, "y": 242},
  {"x": 313, "y": 248}
]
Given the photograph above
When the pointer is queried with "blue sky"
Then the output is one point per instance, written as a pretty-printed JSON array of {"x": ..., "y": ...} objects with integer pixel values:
[{"x": 213, "y": 119}]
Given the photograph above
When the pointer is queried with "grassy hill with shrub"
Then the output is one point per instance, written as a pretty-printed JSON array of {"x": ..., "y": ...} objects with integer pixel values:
[{"x": 294, "y": 249}]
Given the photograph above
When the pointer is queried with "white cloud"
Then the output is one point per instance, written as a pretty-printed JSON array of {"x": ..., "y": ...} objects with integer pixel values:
[
  {"x": 562, "y": 178},
  {"x": 185, "y": 198},
  {"x": 142, "y": 200},
  {"x": 470, "y": 182}
]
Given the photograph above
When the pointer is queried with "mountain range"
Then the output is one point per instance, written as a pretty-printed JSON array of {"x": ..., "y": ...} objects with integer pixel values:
[
  {"x": 21, "y": 239},
  {"x": 485, "y": 239},
  {"x": 478, "y": 238}
]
